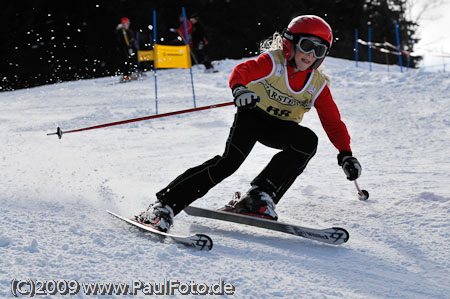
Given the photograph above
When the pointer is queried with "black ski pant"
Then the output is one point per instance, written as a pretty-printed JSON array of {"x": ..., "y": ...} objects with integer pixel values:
[
  {"x": 202, "y": 57},
  {"x": 298, "y": 145},
  {"x": 129, "y": 63}
]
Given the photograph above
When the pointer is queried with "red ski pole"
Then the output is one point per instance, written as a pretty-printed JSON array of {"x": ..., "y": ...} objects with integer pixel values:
[{"x": 60, "y": 132}]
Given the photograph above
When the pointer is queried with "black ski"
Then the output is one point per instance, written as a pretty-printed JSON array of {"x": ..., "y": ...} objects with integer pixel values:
[
  {"x": 334, "y": 235},
  {"x": 198, "y": 241}
]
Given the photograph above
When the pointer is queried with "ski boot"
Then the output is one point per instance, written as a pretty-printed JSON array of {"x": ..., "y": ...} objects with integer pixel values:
[
  {"x": 255, "y": 202},
  {"x": 157, "y": 215}
]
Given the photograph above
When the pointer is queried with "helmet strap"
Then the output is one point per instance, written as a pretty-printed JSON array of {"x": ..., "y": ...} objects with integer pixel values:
[
  {"x": 286, "y": 34},
  {"x": 291, "y": 60}
]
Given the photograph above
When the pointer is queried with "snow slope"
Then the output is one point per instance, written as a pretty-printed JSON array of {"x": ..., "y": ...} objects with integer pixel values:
[{"x": 54, "y": 193}]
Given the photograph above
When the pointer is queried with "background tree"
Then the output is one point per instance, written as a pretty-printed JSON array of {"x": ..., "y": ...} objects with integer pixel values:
[{"x": 45, "y": 41}]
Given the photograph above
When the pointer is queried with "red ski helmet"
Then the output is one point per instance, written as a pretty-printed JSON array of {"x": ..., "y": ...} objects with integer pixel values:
[
  {"x": 125, "y": 20},
  {"x": 306, "y": 25}
]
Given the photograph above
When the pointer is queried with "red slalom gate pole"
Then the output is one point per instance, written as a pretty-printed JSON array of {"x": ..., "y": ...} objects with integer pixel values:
[{"x": 60, "y": 132}]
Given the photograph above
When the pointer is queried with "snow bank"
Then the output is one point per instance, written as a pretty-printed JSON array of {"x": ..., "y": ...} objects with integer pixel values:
[{"x": 54, "y": 193}]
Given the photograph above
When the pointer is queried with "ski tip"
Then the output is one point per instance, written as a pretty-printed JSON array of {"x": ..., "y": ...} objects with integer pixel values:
[
  {"x": 203, "y": 242},
  {"x": 340, "y": 235}
]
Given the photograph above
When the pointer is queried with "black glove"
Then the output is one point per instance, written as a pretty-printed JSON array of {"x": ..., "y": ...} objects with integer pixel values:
[
  {"x": 350, "y": 165},
  {"x": 243, "y": 97}
]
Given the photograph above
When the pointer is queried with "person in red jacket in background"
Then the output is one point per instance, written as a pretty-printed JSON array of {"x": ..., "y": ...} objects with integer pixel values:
[
  {"x": 272, "y": 93},
  {"x": 182, "y": 32}
]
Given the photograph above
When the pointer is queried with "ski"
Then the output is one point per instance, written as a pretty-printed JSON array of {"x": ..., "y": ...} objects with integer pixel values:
[
  {"x": 198, "y": 241},
  {"x": 334, "y": 235}
]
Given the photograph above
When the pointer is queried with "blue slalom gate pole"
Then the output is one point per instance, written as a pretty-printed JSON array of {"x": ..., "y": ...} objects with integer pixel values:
[
  {"x": 137, "y": 48},
  {"x": 187, "y": 42},
  {"x": 398, "y": 46},
  {"x": 154, "y": 61},
  {"x": 356, "y": 47},
  {"x": 370, "y": 48}
]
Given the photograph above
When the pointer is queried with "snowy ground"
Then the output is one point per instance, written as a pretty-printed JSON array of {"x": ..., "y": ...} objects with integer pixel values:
[{"x": 54, "y": 193}]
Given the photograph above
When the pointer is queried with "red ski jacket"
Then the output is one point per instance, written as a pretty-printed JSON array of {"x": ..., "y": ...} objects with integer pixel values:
[{"x": 180, "y": 30}]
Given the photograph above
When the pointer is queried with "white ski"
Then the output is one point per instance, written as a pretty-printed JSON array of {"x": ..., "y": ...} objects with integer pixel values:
[
  {"x": 198, "y": 241},
  {"x": 334, "y": 235}
]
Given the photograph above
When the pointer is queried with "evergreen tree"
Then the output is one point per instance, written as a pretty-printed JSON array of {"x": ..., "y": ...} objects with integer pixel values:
[{"x": 45, "y": 42}]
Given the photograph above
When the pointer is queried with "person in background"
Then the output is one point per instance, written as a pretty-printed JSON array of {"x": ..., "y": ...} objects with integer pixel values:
[
  {"x": 182, "y": 32},
  {"x": 200, "y": 43},
  {"x": 272, "y": 94},
  {"x": 128, "y": 46}
]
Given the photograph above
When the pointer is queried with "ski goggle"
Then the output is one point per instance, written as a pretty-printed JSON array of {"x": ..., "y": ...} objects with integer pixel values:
[{"x": 307, "y": 45}]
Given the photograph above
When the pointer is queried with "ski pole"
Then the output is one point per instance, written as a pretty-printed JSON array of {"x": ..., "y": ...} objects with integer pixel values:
[
  {"x": 60, "y": 132},
  {"x": 362, "y": 194}
]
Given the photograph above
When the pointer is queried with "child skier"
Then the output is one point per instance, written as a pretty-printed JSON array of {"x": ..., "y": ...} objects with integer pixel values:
[{"x": 271, "y": 93}]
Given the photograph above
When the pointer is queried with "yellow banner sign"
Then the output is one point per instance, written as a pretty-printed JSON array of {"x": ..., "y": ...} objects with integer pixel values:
[
  {"x": 145, "y": 55},
  {"x": 172, "y": 57}
]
